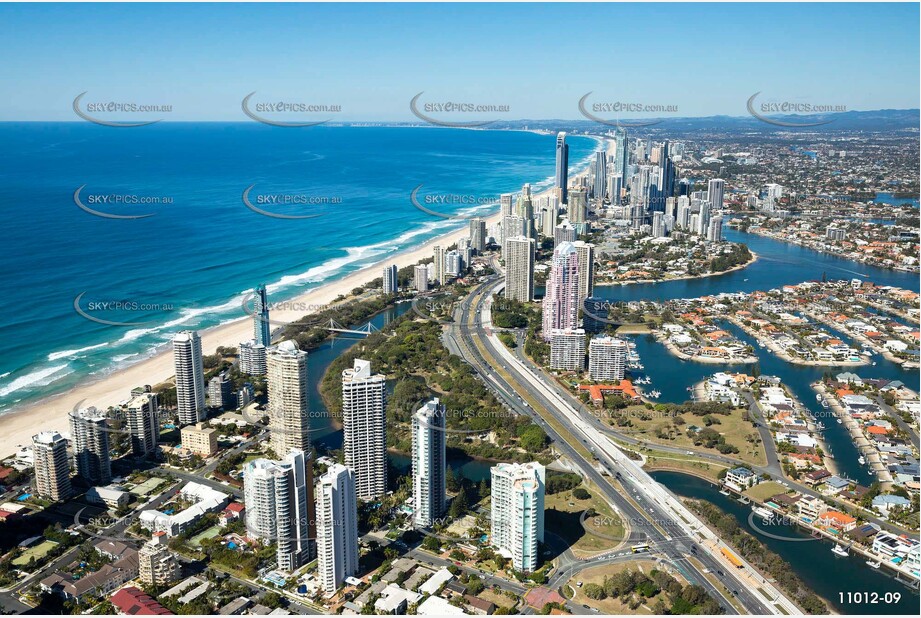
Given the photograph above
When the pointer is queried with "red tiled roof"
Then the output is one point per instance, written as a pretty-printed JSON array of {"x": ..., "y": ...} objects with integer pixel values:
[{"x": 133, "y": 601}]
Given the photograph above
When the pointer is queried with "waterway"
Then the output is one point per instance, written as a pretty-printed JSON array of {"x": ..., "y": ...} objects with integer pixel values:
[
  {"x": 778, "y": 264},
  {"x": 823, "y": 572}
]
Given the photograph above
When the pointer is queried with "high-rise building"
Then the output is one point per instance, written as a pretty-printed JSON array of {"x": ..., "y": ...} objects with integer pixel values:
[
  {"x": 454, "y": 263},
  {"x": 517, "y": 511},
  {"x": 607, "y": 359},
  {"x": 220, "y": 392},
  {"x": 364, "y": 428},
  {"x": 524, "y": 208},
  {"x": 157, "y": 565},
  {"x": 564, "y": 232},
  {"x": 478, "y": 235},
  {"x": 506, "y": 204},
  {"x": 52, "y": 470},
  {"x": 715, "y": 230},
  {"x": 253, "y": 358},
  {"x": 391, "y": 281},
  {"x": 288, "y": 406},
  {"x": 562, "y": 166},
  {"x": 200, "y": 439},
  {"x": 142, "y": 413},
  {"x": 622, "y": 156},
  {"x": 578, "y": 206},
  {"x": 512, "y": 226},
  {"x": 683, "y": 218},
  {"x": 567, "y": 349},
  {"x": 835, "y": 233},
  {"x": 421, "y": 278},
  {"x": 561, "y": 298},
  {"x": 658, "y": 225},
  {"x": 337, "y": 528},
  {"x": 586, "y": 258},
  {"x": 429, "y": 492},
  {"x": 262, "y": 329},
  {"x": 439, "y": 262},
  {"x": 279, "y": 506},
  {"x": 190, "y": 377},
  {"x": 599, "y": 175},
  {"x": 90, "y": 441},
  {"x": 519, "y": 269},
  {"x": 549, "y": 213},
  {"x": 715, "y": 193}
]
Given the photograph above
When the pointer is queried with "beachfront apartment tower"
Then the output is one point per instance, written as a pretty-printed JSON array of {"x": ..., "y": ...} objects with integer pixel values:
[
  {"x": 421, "y": 278},
  {"x": 561, "y": 298},
  {"x": 253, "y": 358},
  {"x": 52, "y": 469},
  {"x": 519, "y": 269},
  {"x": 599, "y": 174},
  {"x": 512, "y": 226},
  {"x": 279, "y": 506},
  {"x": 391, "y": 281},
  {"x": 562, "y": 166},
  {"x": 518, "y": 512},
  {"x": 478, "y": 235},
  {"x": 506, "y": 204},
  {"x": 262, "y": 329},
  {"x": 439, "y": 262},
  {"x": 288, "y": 406},
  {"x": 364, "y": 428},
  {"x": 524, "y": 208},
  {"x": 190, "y": 377},
  {"x": 337, "y": 527},
  {"x": 428, "y": 438},
  {"x": 89, "y": 436},
  {"x": 143, "y": 418},
  {"x": 607, "y": 359},
  {"x": 578, "y": 206}
]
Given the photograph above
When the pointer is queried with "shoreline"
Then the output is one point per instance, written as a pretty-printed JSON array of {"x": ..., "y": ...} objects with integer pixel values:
[
  {"x": 793, "y": 360},
  {"x": 753, "y": 259},
  {"x": 707, "y": 360},
  {"x": 20, "y": 423}
]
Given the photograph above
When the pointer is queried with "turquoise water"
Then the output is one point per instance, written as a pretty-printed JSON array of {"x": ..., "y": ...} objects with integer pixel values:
[
  {"x": 192, "y": 262},
  {"x": 823, "y": 572}
]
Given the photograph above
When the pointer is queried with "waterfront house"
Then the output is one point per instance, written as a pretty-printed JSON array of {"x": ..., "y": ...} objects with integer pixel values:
[
  {"x": 816, "y": 477},
  {"x": 740, "y": 478},
  {"x": 885, "y": 503},
  {"x": 836, "y": 522},
  {"x": 809, "y": 507}
]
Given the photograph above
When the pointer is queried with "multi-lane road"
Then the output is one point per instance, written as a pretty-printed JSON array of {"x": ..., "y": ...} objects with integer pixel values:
[{"x": 657, "y": 517}]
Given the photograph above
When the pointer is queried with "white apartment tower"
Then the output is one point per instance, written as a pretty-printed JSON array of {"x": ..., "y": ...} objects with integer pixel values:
[
  {"x": 567, "y": 349},
  {"x": 391, "y": 281},
  {"x": 429, "y": 494},
  {"x": 518, "y": 512},
  {"x": 439, "y": 261},
  {"x": 52, "y": 469},
  {"x": 421, "y": 278},
  {"x": 253, "y": 358},
  {"x": 337, "y": 528},
  {"x": 279, "y": 506},
  {"x": 715, "y": 193},
  {"x": 364, "y": 428},
  {"x": 190, "y": 377},
  {"x": 289, "y": 423},
  {"x": 90, "y": 442},
  {"x": 607, "y": 359},
  {"x": 519, "y": 268},
  {"x": 144, "y": 424},
  {"x": 478, "y": 235}
]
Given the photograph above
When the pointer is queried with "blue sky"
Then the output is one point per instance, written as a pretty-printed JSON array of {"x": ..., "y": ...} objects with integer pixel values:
[{"x": 538, "y": 59}]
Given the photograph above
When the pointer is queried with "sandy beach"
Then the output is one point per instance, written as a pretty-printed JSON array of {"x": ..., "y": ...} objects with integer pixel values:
[{"x": 50, "y": 413}]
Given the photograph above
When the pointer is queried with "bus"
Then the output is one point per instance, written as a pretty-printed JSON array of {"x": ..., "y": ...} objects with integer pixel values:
[
  {"x": 640, "y": 548},
  {"x": 731, "y": 557}
]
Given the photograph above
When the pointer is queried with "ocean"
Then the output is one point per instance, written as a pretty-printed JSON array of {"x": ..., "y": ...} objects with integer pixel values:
[{"x": 201, "y": 249}]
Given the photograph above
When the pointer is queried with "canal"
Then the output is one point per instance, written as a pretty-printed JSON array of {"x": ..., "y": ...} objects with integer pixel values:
[{"x": 831, "y": 577}]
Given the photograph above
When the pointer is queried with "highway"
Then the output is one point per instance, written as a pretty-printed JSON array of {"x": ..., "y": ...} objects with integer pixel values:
[{"x": 657, "y": 505}]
